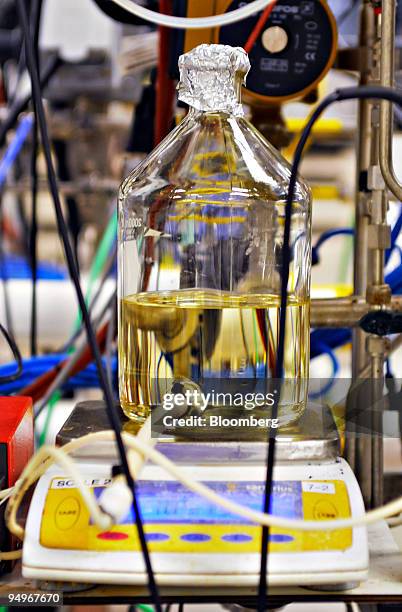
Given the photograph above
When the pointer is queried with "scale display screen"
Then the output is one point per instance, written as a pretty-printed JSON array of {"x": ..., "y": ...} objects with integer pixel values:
[{"x": 170, "y": 502}]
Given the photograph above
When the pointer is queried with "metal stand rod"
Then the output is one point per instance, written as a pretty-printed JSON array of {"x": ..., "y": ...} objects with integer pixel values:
[
  {"x": 345, "y": 311},
  {"x": 363, "y": 153},
  {"x": 377, "y": 347},
  {"x": 386, "y": 111},
  {"x": 374, "y": 171},
  {"x": 355, "y": 450}
]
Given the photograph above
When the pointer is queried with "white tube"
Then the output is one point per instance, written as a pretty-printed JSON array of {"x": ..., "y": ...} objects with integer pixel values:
[
  {"x": 193, "y": 23},
  {"x": 34, "y": 469},
  {"x": 134, "y": 443},
  {"x": 37, "y": 466}
]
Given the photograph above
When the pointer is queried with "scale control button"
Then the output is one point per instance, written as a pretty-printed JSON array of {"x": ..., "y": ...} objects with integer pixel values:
[
  {"x": 325, "y": 510},
  {"x": 67, "y": 513},
  {"x": 157, "y": 537},
  {"x": 237, "y": 538},
  {"x": 280, "y": 538},
  {"x": 195, "y": 537},
  {"x": 112, "y": 536}
]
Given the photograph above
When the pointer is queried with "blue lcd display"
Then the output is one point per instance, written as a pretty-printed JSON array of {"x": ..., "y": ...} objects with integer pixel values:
[{"x": 170, "y": 502}]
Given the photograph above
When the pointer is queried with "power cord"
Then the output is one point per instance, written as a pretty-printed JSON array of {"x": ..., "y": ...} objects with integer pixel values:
[
  {"x": 349, "y": 93},
  {"x": 111, "y": 410},
  {"x": 16, "y": 354},
  {"x": 33, "y": 234},
  {"x": 21, "y": 104},
  {"x": 4, "y": 279}
]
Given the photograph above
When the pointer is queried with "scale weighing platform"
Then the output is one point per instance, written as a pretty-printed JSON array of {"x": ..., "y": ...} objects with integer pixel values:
[{"x": 192, "y": 541}]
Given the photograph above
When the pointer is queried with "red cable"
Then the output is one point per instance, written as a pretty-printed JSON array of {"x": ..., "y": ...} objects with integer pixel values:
[
  {"x": 38, "y": 387},
  {"x": 8, "y": 229},
  {"x": 258, "y": 27},
  {"x": 164, "y": 85},
  {"x": 270, "y": 353}
]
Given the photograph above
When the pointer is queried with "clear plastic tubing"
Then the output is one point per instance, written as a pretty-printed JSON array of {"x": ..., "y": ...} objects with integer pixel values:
[{"x": 193, "y": 23}]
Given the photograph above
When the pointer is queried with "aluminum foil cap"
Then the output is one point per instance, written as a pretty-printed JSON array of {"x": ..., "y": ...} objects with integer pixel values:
[{"x": 211, "y": 76}]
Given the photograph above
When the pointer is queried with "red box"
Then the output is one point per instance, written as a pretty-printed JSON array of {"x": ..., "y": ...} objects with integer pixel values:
[
  {"x": 16, "y": 448},
  {"x": 17, "y": 436}
]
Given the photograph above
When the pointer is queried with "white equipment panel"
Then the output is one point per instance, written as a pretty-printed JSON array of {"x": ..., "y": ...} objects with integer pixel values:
[{"x": 193, "y": 542}]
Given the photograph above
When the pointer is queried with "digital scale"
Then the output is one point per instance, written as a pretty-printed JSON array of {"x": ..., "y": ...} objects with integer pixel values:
[{"x": 194, "y": 542}]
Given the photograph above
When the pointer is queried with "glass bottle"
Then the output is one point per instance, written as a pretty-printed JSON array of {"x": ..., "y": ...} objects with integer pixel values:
[{"x": 200, "y": 244}]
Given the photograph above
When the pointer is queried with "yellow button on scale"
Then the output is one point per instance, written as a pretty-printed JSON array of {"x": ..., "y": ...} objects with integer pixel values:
[
  {"x": 67, "y": 513},
  {"x": 325, "y": 510}
]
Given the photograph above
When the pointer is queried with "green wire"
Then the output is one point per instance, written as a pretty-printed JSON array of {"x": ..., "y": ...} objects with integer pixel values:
[
  {"x": 99, "y": 262},
  {"x": 145, "y": 608},
  {"x": 52, "y": 402}
]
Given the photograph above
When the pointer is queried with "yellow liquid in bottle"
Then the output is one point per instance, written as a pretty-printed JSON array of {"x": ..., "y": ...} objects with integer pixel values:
[{"x": 201, "y": 335}]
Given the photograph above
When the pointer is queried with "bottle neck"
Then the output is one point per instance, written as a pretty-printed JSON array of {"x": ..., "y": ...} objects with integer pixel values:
[{"x": 212, "y": 92}]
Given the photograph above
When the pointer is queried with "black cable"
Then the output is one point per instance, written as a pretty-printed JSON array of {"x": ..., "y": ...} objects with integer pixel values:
[
  {"x": 110, "y": 336},
  {"x": 16, "y": 354},
  {"x": 73, "y": 214},
  {"x": 35, "y": 9},
  {"x": 4, "y": 274},
  {"x": 63, "y": 230},
  {"x": 349, "y": 93},
  {"x": 35, "y": 17},
  {"x": 8, "y": 15},
  {"x": 36, "y": 12},
  {"x": 33, "y": 236},
  {"x": 22, "y": 217},
  {"x": 21, "y": 105}
]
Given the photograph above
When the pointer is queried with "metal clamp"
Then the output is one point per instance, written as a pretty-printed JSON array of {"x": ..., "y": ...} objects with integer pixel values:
[{"x": 379, "y": 236}]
